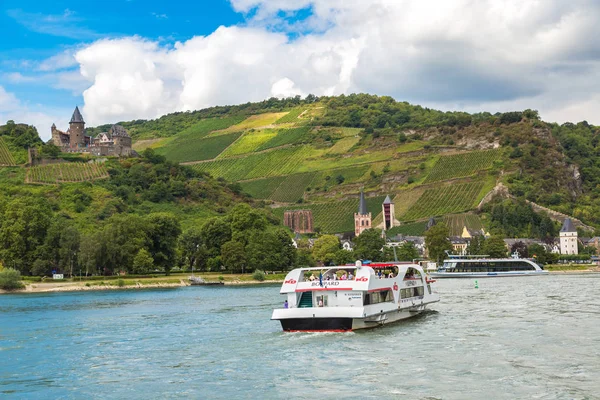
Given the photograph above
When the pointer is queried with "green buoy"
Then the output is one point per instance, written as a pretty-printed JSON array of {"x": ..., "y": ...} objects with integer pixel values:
[{"x": 476, "y": 285}]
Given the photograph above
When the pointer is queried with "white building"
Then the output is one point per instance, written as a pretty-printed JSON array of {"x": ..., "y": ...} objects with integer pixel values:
[{"x": 568, "y": 238}]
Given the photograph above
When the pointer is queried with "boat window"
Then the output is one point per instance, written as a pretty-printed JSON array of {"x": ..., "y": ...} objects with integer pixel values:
[
  {"x": 322, "y": 301},
  {"x": 378, "y": 297},
  {"x": 492, "y": 266},
  {"x": 412, "y": 273},
  {"x": 412, "y": 292}
]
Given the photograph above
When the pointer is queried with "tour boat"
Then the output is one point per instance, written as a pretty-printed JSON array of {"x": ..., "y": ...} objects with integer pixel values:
[
  {"x": 320, "y": 299},
  {"x": 479, "y": 267}
]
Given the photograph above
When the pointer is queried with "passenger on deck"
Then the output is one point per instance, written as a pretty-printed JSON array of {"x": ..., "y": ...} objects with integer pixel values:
[
  {"x": 344, "y": 277},
  {"x": 334, "y": 276},
  {"x": 312, "y": 277},
  {"x": 379, "y": 274},
  {"x": 285, "y": 304},
  {"x": 320, "y": 302},
  {"x": 391, "y": 275},
  {"x": 350, "y": 276}
]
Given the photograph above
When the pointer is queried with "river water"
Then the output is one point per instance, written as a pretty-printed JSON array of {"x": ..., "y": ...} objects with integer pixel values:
[{"x": 530, "y": 337}]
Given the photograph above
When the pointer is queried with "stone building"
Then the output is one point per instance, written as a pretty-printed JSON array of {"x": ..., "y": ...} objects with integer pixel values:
[
  {"x": 568, "y": 238},
  {"x": 299, "y": 221},
  {"x": 115, "y": 142},
  {"x": 362, "y": 219}
]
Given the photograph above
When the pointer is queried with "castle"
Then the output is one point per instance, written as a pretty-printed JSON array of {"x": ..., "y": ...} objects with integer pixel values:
[{"x": 115, "y": 142}]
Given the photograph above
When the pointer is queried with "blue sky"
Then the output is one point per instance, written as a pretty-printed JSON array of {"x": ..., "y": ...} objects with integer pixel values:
[{"x": 132, "y": 59}]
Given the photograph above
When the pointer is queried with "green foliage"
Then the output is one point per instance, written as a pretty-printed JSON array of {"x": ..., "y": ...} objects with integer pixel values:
[
  {"x": 10, "y": 279},
  {"x": 20, "y": 136},
  {"x": 411, "y": 229},
  {"x": 495, "y": 247},
  {"x": 368, "y": 245},
  {"x": 461, "y": 165},
  {"x": 437, "y": 242},
  {"x": 233, "y": 256},
  {"x": 517, "y": 219},
  {"x": 407, "y": 252},
  {"x": 120, "y": 282},
  {"x": 445, "y": 200},
  {"x": 193, "y": 149},
  {"x": 259, "y": 275},
  {"x": 325, "y": 247},
  {"x": 143, "y": 262}
]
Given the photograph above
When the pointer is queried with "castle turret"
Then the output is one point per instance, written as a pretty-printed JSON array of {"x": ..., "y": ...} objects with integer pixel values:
[
  {"x": 568, "y": 238},
  {"x": 76, "y": 130},
  {"x": 388, "y": 213},
  {"x": 362, "y": 219}
]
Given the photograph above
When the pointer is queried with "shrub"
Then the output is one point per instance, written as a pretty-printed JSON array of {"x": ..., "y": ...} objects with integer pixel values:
[
  {"x": 120, "y": 283},
  {"x": 258, "y": 275},
  {"x": 10, "y": 279},
  {"x": 221, "y": 278}
]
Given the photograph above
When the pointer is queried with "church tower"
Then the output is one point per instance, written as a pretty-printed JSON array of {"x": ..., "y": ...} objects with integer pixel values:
[
  {"x": 388, "y": 213},
  {"x": 362, "y": 219},
  {"x": 568, "y": 238},
  {"x": 76, "y": 130}
]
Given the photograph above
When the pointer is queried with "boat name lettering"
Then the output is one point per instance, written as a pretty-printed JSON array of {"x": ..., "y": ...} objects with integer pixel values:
[
  {"x": 290, "y": 281},
  {"x": 334, "y": 283}
]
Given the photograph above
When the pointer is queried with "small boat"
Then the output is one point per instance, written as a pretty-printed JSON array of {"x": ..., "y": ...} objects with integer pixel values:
[
  {"x": 198, "y": 281},
  {"x": 481, "y": 267},
  {"x": 367, "y": 298}
]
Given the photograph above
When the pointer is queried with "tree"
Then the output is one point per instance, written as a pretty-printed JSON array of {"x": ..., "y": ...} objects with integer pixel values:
[
  {"x": 270, "y": 250},
  {"x": 407, "y": 252},
  {"x": 521, "y": 248},
  {"x": 163, "y": 231},
  {"x": 325, "y": 247},
  {"x": 10, "y": 279},
  {"x": 495, "y": 247},
  {"x": 121, "y": 239},
  {"x": 342, "y": 257},
  {"x": 474, "y": 247},
  {"x": 304, "y": 258},
  {"x": 437, "y": 242},
  {"x": 233, "y": 256},
  {"x": 214, "y": 233},
  {"x": 143, "y": 262},
  {"x": 191, "y": 246},
  {"x": 69, "y": 247},
  {"x": 368, "y": 245}
]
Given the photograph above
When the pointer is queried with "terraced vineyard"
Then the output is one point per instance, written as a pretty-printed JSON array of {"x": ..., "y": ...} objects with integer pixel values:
[
  {"x": 262, "y": 188},
  {"x": 286, "y": 136},
  {"x": 248, "y": 143},
  {"x": 198, "y": 150},
  {"x": 206, "y": 126},
  {"x": 291, "y": 116},
  {"x": 456, "y": 223},
  {"x": 258, "y": 165},
  {"x": 462, "y": 165},
  {"x": 343, "y": 145},
  {"x": 412, "y": 229},
  {"x": 66, "y": 172},
  {"x": 292, "y": 188},
  {"x": 254, "y": 121},
  {"x": 444, "y": 200},
  {"x": 335, "y": 217},
  {"x": 6, "y": 158}
]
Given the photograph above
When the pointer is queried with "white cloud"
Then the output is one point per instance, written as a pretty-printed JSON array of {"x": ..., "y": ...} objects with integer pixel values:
[
  {"x": 63, "y": 60},
  {"x": 488, "y": 55},
  {"x": 11, "y": 108}
]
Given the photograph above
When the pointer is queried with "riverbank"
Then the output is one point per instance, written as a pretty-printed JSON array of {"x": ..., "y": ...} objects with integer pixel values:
[{"x": 120, "y": 284}]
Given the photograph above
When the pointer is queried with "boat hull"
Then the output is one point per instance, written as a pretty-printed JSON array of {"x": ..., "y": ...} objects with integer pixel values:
[
  {"x": 437, "y": 275},
  {"x": 334, "y": 324}
]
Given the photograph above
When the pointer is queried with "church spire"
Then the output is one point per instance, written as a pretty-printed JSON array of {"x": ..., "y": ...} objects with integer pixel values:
[{"x": 362, "y": 205}]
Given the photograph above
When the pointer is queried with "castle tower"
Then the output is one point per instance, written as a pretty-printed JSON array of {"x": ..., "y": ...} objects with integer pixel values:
[
  {"x": 568, "y": 238},
  {"x": 362, "y": 219},
  {"x": 76, "y": 130},
  {"x": 55, "y": 135},
  {"x": 388, "y": 213}
]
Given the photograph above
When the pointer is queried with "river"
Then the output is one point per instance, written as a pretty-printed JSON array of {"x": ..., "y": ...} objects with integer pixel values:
[{"x": 530, "y": 337}]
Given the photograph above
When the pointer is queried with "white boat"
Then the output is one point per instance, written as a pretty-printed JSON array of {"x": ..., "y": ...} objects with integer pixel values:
[
  {"x": 480, "y": 267},
  {"x": 364, "y": 300}
]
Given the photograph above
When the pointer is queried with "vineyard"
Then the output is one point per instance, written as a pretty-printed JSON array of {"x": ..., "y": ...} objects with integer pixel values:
[
  {"x": 198, "y": 150},
  {"x": 255, "y": 121},
  {"x": 206, "y": 126},
  {"x": 456, "y": 223},
  {"x": 262, "y": 188},
  {"x": 292, "y": 188},
  {"x": 6, "y": 158},
  {"x": 411, "y": 229},
  {"x": 444, "y": 200},
  {"x": 291, "y": 116},
  {"x": 66, "y": 172},
  {"x": 259, "y": 165},
  {"x": 343, "y": 145},
  {"x": 335, "y": 217},
  {"x": 462, "y": 165},
  {"x": 248, "y": 143},
  {"x": 286, "y": 136}
]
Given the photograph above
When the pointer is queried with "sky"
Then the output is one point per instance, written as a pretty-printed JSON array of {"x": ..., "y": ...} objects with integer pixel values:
[{"x": 120, "y": 60}]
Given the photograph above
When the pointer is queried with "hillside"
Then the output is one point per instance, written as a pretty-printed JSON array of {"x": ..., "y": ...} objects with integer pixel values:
[{"x": 318, "y": 153}]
